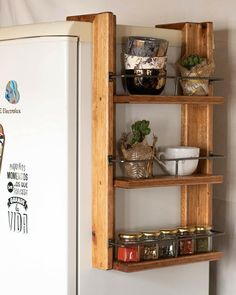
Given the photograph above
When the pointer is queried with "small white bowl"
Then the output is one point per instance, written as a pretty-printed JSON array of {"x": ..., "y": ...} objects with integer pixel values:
[{"x": 185, "y": 167}]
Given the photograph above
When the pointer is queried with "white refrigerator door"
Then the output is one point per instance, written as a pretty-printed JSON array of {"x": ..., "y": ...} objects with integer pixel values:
[{"x": 38, "y": 113}]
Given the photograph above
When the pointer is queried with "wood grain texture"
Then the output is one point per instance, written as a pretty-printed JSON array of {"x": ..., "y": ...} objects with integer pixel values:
[
  {"x": 84, "y": 17},
  {"x": 114, "y": 133},
  {"x": 102, "y": 140},
  {"x": 178, "y": 26},
  {"x": 159, "y": 99},
  {"x": 140, "y": 266},
  {"x": 196, "y": 129},
  {"x": 159, "y": 181},
  {"x": 174, "y": 26}
]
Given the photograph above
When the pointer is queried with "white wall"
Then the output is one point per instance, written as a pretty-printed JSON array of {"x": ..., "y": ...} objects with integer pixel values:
[{"x": 149, "y": 13}]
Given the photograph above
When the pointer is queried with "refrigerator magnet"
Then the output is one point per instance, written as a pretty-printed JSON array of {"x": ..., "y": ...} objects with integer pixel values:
[{"x": 12, "y": 94}]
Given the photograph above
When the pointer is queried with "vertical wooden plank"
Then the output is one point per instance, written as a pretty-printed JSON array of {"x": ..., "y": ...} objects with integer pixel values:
[
  {"x": 197, "y": 209},
  {"x": 196, "y": 201},
  {"x": 197, "y": 131},
  {"x": 102, "y": 139},
  {"x": 114, "y": 119},
  {"x": 198, "y": 38}
]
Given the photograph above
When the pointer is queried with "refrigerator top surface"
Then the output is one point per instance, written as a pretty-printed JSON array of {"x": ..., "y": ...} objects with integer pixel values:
[{"x": 83, "y": 30}]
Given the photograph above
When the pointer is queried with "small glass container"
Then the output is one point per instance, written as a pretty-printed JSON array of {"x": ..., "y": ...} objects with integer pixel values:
[
  {"x": 186, "y": 240},
  {"x": 150, "y": 249},
  {"x": 129, "y": 250},
  {"x": 203, "y": 244},
  {"x": 168, "y": 243}
]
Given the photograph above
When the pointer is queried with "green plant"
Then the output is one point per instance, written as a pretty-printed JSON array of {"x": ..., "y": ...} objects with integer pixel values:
[
  {"x": 191, "y": 61},
  {"x": 139, "y": 130}
]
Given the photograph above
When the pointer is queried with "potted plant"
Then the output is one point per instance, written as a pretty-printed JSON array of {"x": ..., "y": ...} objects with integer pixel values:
[
  {"x": 192, "y": 66},
  {"x": 134, "y": 147}
]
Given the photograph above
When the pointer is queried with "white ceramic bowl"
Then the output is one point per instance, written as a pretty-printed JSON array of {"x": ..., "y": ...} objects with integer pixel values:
[{"x": 185, "y": 167}]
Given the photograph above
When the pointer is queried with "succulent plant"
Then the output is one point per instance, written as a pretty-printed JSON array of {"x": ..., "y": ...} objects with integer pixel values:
[
  {"x": 139, "y": 130},
  {"x": 191, "y": 61}
]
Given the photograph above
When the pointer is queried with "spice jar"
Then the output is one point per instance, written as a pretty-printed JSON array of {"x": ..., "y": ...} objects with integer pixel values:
[
  {"x": 168, "y": 243},
  {"x": 186, "y": 240},
  {"x": 150, "y": 247},
  {"x": 129, "y": 250},
  {"x": 203, "y": 244}
]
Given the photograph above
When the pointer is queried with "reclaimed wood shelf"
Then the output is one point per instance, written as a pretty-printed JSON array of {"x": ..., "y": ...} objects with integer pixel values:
[
  {"x": 173, "y": 99},
  {"x": 128, "y": 183},
  {"x": 196, "y": 130},
  {"x": 146, "y": 265}
]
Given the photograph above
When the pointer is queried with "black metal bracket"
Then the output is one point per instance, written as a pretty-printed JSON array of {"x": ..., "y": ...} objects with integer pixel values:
[
  {"x": 211, "y": 156},
  {"x": 112, "y": 160},
  {"x": 112, "y": 76},
  {"x": 110, "y": 243},
  {"x": 211, "y": 234}
]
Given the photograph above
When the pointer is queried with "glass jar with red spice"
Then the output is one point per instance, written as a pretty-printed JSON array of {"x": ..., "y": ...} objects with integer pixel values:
[
  {"x": 186, "y": 245},
  {"x": 129, "y": 249}
]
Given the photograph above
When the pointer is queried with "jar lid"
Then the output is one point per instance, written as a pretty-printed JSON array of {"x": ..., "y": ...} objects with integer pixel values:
[
  {"x": 203, "y": 228},
  {"x": 183, "y": 230},
  {"x": 191, "y": 229},
  {"x": 151, "y": 234},
  {"x": 130, "y": 237},
  {"x": 169, "y": 231}
]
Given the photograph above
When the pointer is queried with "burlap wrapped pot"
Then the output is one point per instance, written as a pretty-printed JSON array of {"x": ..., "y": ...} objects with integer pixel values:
[
  {"x": 196, "y": 86},
  {"x": 138, "y": 151}
]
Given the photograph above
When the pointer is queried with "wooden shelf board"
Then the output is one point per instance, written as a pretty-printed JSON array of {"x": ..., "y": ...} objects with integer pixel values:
[
  {"x": 172, "y": 26},
  {"x": 176, "y": 26},
  {"x": 129, "y": 183},
  {"x": 160, "y": 99},
  {"x": 146, "y": 265}
]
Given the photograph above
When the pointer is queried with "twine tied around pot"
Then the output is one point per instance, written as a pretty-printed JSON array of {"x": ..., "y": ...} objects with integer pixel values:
[
  {"x": 139, "y": 151},
  {"x": 196, "y": 86}
]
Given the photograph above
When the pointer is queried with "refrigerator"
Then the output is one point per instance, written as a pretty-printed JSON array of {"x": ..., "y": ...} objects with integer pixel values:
[
  {"x": 40, "y": 122},
  {"x": 46, "y": 168}
]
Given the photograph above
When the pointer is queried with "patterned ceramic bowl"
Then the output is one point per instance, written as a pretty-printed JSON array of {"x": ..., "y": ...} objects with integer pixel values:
[
  {"x": 147, "y": 74},
  {"x": 146, "y": 46},
  {"x": 144, "y": 63}
]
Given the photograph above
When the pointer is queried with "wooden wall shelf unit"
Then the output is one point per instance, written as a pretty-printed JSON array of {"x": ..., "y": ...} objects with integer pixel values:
[{"x": 196, "y": 130}]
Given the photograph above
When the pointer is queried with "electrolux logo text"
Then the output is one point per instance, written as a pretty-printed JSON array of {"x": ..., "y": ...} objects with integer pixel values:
[{"x": 12, "y": 95}]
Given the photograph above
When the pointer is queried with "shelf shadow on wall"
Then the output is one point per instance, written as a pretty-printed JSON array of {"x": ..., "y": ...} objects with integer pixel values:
[{"x": 221, "y": 203}]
